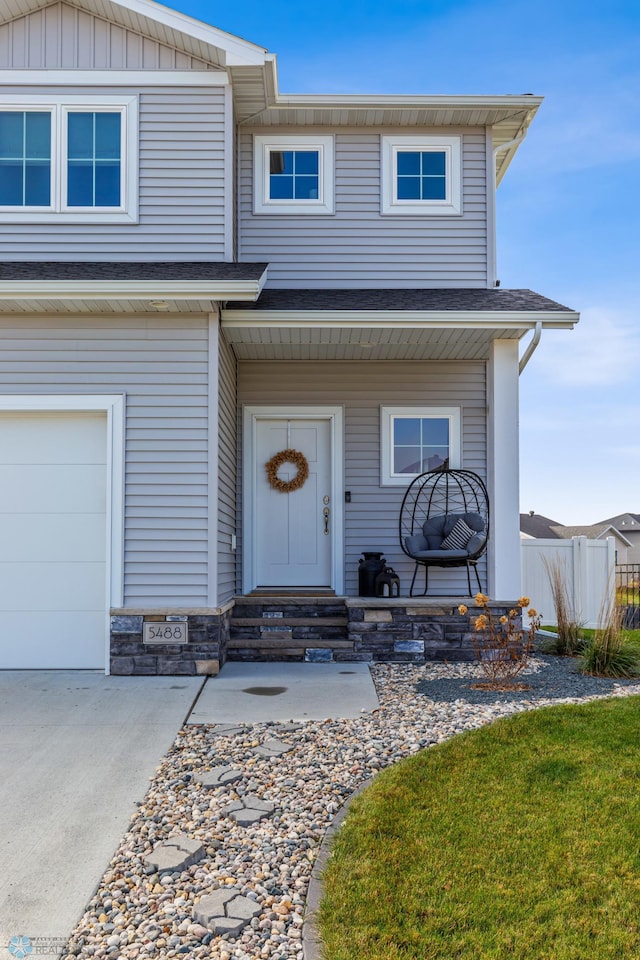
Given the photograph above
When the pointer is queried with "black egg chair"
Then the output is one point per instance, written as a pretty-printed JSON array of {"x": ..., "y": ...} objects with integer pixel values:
[{"x": 444, "y": 522}]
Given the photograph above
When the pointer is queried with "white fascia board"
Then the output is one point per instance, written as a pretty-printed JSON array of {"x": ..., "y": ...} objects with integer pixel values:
[
  {"x": 616, "y": 533},
  {"x": 114, "y": 78},
  {"x": 408, "y": 101},
  {"x": 239, "y": 52},
  {"x": 219, "y": 290},
  {"x": 409, "y": 319}
]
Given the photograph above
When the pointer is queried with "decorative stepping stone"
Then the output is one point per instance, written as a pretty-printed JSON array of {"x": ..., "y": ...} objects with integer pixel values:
[
  {"x": 225, "y": 911},
  {"x": 228, "y": 730},
  {"x": 272, "y": 748},
  {"x": 217, "y": 777},
  {"x": 176, "y": 853},
  {"x": 249, "y": 810},
  {"x": 289, "y": 727}
]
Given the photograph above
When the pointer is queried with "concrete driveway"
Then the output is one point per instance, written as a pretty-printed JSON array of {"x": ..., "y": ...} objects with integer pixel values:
[{"x": 77, "y": 750}]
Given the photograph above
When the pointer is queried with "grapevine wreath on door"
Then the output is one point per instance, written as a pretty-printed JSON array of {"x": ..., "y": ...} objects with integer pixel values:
[{"x": 287, "y": 456}]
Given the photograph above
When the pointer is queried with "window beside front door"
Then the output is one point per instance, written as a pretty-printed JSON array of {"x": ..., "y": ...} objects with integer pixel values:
[{"x": 417, "y": 439}]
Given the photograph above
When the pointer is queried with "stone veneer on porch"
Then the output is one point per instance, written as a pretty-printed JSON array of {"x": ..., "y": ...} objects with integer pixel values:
[
  {"x": 204, "y": 653},
  {"x": 312, "y": 629},
  {"x": 414, "y": 629}
]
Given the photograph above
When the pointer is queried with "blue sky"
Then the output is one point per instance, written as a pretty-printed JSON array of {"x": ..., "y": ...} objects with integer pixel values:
[{"x": 568, "y": 208}]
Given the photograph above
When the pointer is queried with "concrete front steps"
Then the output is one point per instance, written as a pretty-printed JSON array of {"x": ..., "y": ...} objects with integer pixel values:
[{"x": 311, "y": 628}]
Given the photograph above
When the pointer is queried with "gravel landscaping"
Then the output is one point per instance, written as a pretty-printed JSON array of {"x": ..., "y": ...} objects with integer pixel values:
[{"x": 264, "y": 859}]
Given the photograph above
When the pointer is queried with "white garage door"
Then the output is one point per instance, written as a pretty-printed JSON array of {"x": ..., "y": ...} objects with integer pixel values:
[{"x": 52, "y": 540}]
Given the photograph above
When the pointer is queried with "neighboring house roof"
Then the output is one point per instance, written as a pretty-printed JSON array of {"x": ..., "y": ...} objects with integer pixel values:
[
  {"x": 595, "y": 531},
  {"x": 631, "y": 520},
  {"x": 421, "y": 300},
  {"x": 538, "y": 527}
]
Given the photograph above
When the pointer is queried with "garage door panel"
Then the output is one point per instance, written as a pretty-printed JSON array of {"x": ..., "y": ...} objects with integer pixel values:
[
  {"x": 53, "y": 540},
  {"x": 60, "y": 586},
  {"x": 53, "y": 641},
  {"x": 52, "y": 537},
  {"x": 54, "y": 438},
  {"x": 52, "y": 489}
]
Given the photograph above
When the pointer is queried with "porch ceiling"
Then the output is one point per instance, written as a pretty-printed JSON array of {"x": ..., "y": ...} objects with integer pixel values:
[{"x": 362, "y": 343}]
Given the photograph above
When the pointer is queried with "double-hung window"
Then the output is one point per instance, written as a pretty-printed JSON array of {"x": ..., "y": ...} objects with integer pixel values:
[
  {"x": 421, "y": 176},
  {"x": 68, "y": 160},
  {"x": 293, "y": 175},
  {"x": 417, "y": 439}
]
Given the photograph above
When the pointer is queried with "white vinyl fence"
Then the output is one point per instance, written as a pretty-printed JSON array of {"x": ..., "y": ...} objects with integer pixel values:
[{"x": 589, "y": 572}]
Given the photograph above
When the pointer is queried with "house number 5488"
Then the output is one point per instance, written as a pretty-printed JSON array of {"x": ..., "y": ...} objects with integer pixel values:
[{"x": 163, "y": 632}]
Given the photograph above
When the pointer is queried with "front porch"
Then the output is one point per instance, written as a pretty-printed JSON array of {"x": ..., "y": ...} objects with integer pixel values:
[{"x": 298, "y": 627}]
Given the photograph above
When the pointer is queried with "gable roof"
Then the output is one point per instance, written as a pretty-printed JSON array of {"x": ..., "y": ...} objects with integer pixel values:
[
  {"x": 159, "y": 22},
  {"x": 258, "y": 101},
  {"x": 595, "y": 531}
]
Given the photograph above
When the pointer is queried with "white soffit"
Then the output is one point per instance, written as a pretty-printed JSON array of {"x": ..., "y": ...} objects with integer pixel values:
[{"x": 389, "y": 336}]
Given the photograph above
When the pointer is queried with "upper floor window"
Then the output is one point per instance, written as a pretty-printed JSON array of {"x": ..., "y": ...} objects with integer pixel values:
[
  {"x": 421, "y": 176},
  {"x": 25, "y": 158},
  {"x": 94, "y": 159},
  {"x": 417, "y": 439},
  {"x": 68, "y": 160},
  {"x": 293, "y": 175}
]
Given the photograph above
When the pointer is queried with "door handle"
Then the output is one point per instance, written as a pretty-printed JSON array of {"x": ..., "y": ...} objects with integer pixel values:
[{"x": 325, "y": 514}]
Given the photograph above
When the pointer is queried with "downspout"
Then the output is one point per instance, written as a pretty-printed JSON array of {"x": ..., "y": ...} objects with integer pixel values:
[{"x": 533, "y": 343}]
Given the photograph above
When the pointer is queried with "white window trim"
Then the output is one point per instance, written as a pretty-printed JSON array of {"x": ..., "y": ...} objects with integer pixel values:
[
  {"x": 450, "y": 206},
  {"x": 58, "y": 212},
  {"x": 387, "y": 417},
  {"x": 262, "y": 147}
]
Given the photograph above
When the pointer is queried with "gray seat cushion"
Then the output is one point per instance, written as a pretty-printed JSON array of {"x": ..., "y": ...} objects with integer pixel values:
[{"x": 428, "y": 544}]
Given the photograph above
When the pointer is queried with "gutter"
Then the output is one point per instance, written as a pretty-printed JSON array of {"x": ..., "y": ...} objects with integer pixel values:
[{"x": 531, "y": 349}]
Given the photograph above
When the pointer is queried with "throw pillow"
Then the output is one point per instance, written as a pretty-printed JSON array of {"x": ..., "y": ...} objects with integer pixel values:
[{"x": 459, "y": 536}]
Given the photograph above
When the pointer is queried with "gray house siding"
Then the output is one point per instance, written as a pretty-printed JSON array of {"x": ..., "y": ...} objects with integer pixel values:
[
  {"x": 63, "y": 37},
  {"x": 161, "y": 366},
  {"x": 371, "y": 519},
  {"x": 227, "y": 463},
  {"x": 182, "y": 185},
  {"x": 357, "y": 247}
]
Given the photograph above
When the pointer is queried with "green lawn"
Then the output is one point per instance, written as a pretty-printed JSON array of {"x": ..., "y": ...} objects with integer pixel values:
[
  {"x": 517, "y": 841},
  {"x": 587, "y": 633}
]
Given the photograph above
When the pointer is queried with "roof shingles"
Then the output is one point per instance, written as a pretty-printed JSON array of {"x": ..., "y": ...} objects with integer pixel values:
[{"x": 424, "y": 300}]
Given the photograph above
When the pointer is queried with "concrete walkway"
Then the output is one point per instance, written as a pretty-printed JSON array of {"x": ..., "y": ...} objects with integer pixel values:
[
  {"x": 77, "y": 750},
  {"x": 263, "y": 692}
]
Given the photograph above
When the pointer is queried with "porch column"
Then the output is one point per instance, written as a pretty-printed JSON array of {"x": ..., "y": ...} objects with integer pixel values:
[
  {"x": 213, "y": 447},
  {"x": 503, "y": 470}
]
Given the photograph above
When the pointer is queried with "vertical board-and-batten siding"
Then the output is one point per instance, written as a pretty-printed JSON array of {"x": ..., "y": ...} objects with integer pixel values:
[
  {"x": 161, "y": 365},
  {"x": 371, "y": 519},
  {"x": 227, "y": 469},
  {"x": 181, "y": 185},
  {"x": 357, "y": 246},
  {"x": 63, "y": 37}
]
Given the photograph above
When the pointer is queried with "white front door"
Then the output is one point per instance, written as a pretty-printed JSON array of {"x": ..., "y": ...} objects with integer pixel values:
[{"x": 293, "y": 532}]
